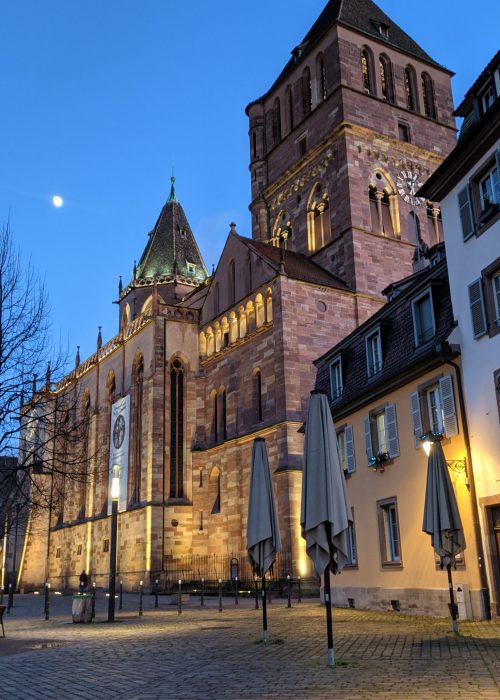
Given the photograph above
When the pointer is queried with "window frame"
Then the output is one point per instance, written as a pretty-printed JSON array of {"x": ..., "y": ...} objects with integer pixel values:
[
  {"x": 471, "y": 200},
  {"x": 373, "y": 445},
  {"x": 335, "y": 370},
  {"x": 491, "y": 298},
  {"x": 418, "y": 335},
  {"x": 373, "y": 369},
  {"x": 419, "y": 408},
  {"x": 388, "y": 556}
]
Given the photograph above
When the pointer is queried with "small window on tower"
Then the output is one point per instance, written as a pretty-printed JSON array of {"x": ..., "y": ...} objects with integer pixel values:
[
  {"x": 404, "y": 132},
  {"x": 191, "y": 268},
  {"x": 183, "y": 233},
  {"x": 303, "y": 146}
]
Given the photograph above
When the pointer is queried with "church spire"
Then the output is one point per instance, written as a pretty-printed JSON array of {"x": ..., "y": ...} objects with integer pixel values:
[{"x": 171, "y": 196}]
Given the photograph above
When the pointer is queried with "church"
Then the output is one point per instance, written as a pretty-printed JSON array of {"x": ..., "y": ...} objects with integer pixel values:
[{"x": 356, "y": 121}]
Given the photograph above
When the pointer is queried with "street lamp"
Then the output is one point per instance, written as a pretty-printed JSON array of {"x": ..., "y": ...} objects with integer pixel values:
[{"x": 115, "y": 496}]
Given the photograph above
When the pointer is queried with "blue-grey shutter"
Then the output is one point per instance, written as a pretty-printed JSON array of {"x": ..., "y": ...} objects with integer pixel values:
[
  {"x": 392, "y": 430},
  {"x": 476, "y": 301},
  {"x": 497, "y": 156},
  {"x": 465, "y": 209},
  {"x": 349, "y": 449},
  {"x": 448, "y": 403},
  {"x": 368, "y": 440},
  {"x": 416, "y": 417}
]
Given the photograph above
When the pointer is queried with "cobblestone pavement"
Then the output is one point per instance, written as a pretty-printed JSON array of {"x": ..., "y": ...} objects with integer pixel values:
[{"x": 203, "y": 653}]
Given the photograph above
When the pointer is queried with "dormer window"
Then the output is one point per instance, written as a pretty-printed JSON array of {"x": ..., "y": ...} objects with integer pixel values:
[
  {"x": 424, "y": 325},
  {"x": 373, "y": 353},
  {"x": 488, "y": 97},
  {"x": 191, "y": 268},
  {"x": 383, "y": 30},
  {"x": 336, "y": 380}
]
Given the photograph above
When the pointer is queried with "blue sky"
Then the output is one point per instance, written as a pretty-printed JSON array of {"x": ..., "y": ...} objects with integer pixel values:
[{"x": 101, "y": 99}]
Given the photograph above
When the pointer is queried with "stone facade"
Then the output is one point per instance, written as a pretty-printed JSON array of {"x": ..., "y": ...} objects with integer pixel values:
[{"x": 327, "y": 237}]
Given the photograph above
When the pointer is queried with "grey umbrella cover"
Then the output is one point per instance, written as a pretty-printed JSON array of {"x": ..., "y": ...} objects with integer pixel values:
[
  {"x": 263, "y": 537},
  {"x": 441, "y": 517},
  {"x": 326, "y": 510}
]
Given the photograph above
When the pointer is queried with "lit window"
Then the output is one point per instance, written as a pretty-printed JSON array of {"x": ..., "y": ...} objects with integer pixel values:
[
  {"x": 423, "y": 318},
  {"x": 381, "y": 435},
  {"x": 373, "y": 354},
  {"x": 366, "y": 72}
]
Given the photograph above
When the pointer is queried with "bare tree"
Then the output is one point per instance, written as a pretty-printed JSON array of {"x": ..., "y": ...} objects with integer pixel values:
[{"x": 44, "y": 434}]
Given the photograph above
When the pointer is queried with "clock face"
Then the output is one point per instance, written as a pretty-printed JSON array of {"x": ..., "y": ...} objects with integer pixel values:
[
  {"x": 118, "y": 432},
  {"x": 408, "y": 184}
]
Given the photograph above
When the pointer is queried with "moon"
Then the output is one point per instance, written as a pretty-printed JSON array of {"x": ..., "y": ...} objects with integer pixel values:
[{"x": 57, "y": 201}]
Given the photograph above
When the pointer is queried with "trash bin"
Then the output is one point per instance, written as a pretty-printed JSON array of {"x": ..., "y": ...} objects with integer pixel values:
[{"x": 81, "y": 610}]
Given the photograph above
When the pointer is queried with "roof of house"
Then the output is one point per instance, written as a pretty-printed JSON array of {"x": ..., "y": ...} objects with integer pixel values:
[
  {"x": 402, "y": 360},
  {"x": 171, "y": 246},
  {"x": 295, "y": 265},
  {"x": 363, "y": 16}
]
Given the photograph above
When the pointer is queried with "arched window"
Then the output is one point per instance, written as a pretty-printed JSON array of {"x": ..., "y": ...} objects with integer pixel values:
[
  {"x": 269, "y": 306},
  {"x": 289, "y": 107},
  {"x": 210, "y": 342},
  {"x": 428, "y": 96},
  {"x": 306, "y": 92},
  {"x": 257, "y": 388},
  {"x": 383, "y": 205},
  {"x": 223, "y": 402},
  {"x": 321, "y": 77},
  {"x": 367, "y": 72},
  {"x": 276, "y": 121},
  {"x": 319, "y": 227},
  {"x": 137, "y": 417},
  {"x": 282, "y": 230},
  {"x": 203, "y": 344},
  {"x": 232, "y": 282},
  {"x": 413, "y": 228},
  {"x": 215, "y": 422},
  {"x": 259, "y": 311},
  {"x": 125, "y": 315},
  {"x": 411, "y": 89},
  {"x": 176, "y": 430},
  {"x": 82, "y": 483},
  {"x": 233, "y": 327},
  {"x": 243, "y": 322},
  {"x": 385, "y": 70},
  {"x": 214, "y": 490}
]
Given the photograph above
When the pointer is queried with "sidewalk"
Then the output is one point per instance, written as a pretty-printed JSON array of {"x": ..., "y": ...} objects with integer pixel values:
[{"x": 206, "y": 654}]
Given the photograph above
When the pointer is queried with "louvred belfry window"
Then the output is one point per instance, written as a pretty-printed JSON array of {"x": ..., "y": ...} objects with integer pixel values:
[{"x": 176, "y": 430}]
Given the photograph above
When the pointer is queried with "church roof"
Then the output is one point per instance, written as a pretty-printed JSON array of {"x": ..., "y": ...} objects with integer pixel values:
[
  {"x": 171, "y": 249},
  {"x": 363, "y": 16},
  {"x": 296, "y": 265}
]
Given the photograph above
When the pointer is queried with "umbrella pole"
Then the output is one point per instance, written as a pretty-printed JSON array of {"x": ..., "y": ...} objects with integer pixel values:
[
  {"x": 329, "y": 627},
  {"x": 265, "y": 637},
  {"x": 453, "y": 607}
]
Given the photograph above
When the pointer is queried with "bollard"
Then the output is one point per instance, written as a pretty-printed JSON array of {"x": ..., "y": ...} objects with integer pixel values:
[
  {"x": 120, "y": 599},
  {"x": 289, "y": 587},
  {"x": 202, "y": 592},
  {"x": 179, "y": 609},
  {"x": 220, "y": 595},
  {"x": 156, "y": 593},
  {"x": 140, "y": 596},
  {"x": 47, "y": 601},
  {"x": 10, "y": 599},
  {"x": 256, "y": 593},
  {"x": 300, "y": 597},
  {"x": 93, "y": 600},
  {"x": 236, "y": 591}
]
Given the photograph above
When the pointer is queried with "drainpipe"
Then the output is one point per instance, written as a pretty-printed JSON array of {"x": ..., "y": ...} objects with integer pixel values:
[{"x": 484, "y": 591}]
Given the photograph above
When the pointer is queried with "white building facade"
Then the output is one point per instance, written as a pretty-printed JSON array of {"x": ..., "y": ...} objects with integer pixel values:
[{"x": 468, "y": 186}]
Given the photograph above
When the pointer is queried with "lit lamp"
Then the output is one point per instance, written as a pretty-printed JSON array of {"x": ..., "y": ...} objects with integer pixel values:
[{"x": 115, "y": 496}]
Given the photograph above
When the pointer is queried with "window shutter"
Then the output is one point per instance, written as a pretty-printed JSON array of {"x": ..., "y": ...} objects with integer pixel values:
[
  {"x": 368, "y": 440},
  {"x": 465, "y": 209},
  {"x": 416, "y": 417},
  {"x": 479, "y": 324},
  {"x": 349, "y": 449},
  {"x": 448, "y": 401},
  {"x": 392, "y": 430}
]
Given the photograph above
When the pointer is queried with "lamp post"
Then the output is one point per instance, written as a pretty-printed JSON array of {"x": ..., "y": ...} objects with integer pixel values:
[{"x": 115, "y": 495}]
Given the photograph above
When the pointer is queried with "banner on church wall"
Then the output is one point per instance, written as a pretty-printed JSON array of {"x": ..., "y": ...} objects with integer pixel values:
[{"x": 118, "y": 448}]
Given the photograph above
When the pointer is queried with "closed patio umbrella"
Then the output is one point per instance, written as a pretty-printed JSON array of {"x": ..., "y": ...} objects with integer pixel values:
[
  {"x": 263, "y": 537},
  {"x": 442, "y": 518},
  {"x": 326, "y": 510}
]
